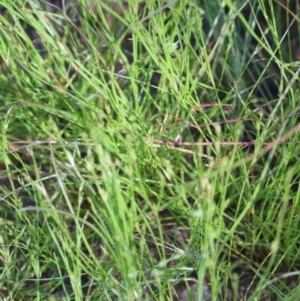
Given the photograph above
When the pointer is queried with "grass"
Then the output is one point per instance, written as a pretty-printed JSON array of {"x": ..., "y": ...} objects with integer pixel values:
[{"x": 149, "y": 148}]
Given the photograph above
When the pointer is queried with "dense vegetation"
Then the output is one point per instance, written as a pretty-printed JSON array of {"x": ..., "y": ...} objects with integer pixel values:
[{"x": 149, "y": 150}]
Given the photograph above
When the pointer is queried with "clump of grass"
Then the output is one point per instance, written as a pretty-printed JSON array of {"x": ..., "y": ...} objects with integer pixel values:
[{"x": 148, "y": 147}]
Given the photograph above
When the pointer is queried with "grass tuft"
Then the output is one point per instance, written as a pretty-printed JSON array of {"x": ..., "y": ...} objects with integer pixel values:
[{"x": 149, "y": 150}]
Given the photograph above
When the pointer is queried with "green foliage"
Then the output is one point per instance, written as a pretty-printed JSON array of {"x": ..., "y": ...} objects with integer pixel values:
[{"x": 148, "y": 144}]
